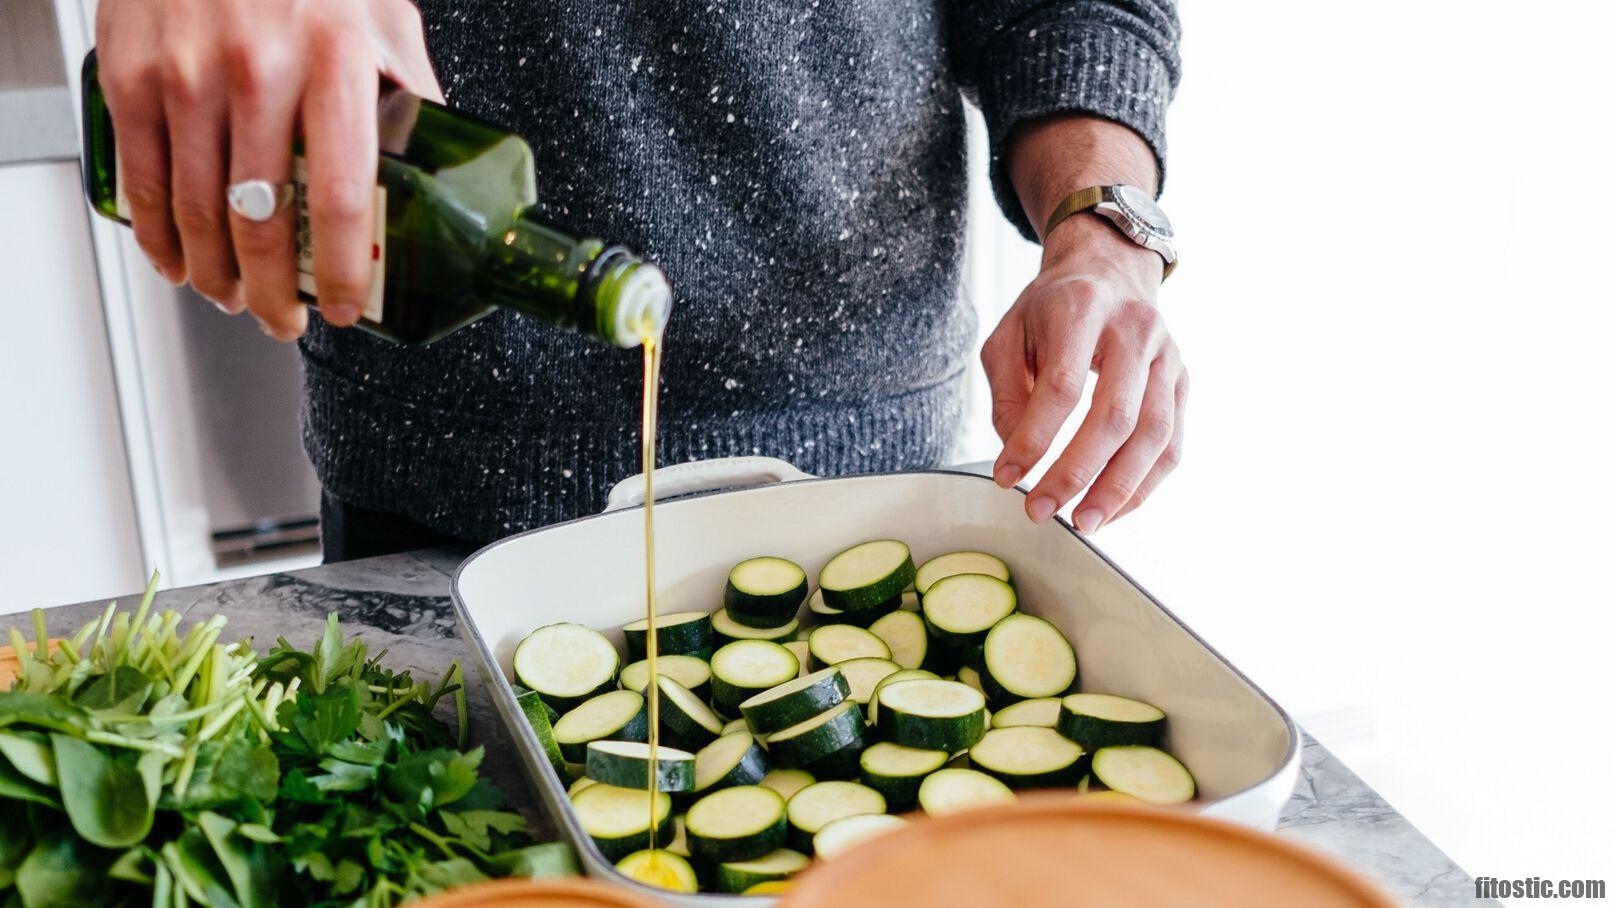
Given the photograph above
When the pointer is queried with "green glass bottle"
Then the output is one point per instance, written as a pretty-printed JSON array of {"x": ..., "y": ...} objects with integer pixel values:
[{"x": 455, "y": 235}]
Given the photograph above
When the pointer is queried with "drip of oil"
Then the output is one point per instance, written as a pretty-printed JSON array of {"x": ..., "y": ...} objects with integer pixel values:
[{"x": 647, "y": 451}]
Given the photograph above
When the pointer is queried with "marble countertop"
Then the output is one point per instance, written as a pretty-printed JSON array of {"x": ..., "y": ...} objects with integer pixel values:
[{"x": 401, "y": 603}]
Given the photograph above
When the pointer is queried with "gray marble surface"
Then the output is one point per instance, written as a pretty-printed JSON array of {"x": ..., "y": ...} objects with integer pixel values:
[{"x": 401, "y": 603}]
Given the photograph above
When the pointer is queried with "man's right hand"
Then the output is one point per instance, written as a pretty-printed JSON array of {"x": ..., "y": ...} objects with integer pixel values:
[{"x": 207, "y": 93}]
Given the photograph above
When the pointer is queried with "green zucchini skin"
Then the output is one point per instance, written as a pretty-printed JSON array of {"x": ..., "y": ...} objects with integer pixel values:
[
  {"x": 1063, "y": 776},
  {"x": 686, "y": 638},
  {"x": 749, "y": 770},
  {"x": 755, "y": 609},
  {"x": 801, "y": 751},
  {"x": 728, "y": 694},
  {"x": 767, "y": 715},
  {"x": 726, "y": 630},
  {"x": 675, "y": 769},
  {"x": 684, "y": 730},
  {"x": 857, "y": 618},
  {"x": 878, "y": 591},
  {"x": 636, "y": 728},
  {"x": 738, "y": 876},
  {"x": 950, "y": 734},
  {"x": 615, "y": 848},
  {"x": 728, "y": 849},
  {"x": 539, "y": 717},
  {"x": 902, "y": 792},
  {"x": 840, "y": 764},
  {"x": 1093, "y": 732}
]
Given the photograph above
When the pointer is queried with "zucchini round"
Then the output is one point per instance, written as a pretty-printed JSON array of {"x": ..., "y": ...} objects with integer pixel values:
[
  {"x": 765, "y": 591},
  {"x": 1146, "y": 773},
  {"x": 1025, "y": 657},
  {"x": 734, "y": 725},
  {"x": 539, "y": 719},
  {"x": 970, "y": 677},
  {"x": 690, "y": 671},
  {"x": 932, "y": 715},
  {"x": 836, "y": 643},
  {"x": 565, "y": 663},
  {"x": 618, "y": 819},
  {"x": 961, "y": 609},
  {"x": 1029, "y": 756},
  {"x": 677, "y": 634},
  {"x": 733, "y": 759},
  {"x": 872, "y": 708},
  {"x": 739, "y": 876},
  {"x": 688, "y": 721},
  {"x": 1106, "y": 720},
  {"x": 905, "y": 635},
  {"x": 822, "y": 803},
  {"x": 578, "y": 785},
  {"x": 736, "y": 824},
  {"x": 847, "y": 833},
  {"x": 865, "y": 674},
  {"x": 1043, "y": 711},
  {"x": 745, "y": 668},
  {"x": 867, "y": 575},
  {"x": 952, "y": 790},
  {"x": 959, "y": 563},
  {"x": 897, "y": 771},
  {"x": 909, "y": 601},
  {"x": 787, "y": 781},
  {"x": 661, "y": 869},
  {"x": 727, "y": 630},
  {"x": 626, "y": 764},
  {"x": 824, "y": 614},
  {"x": 837, "y": 729},
  {"x": 799, "y": 649},
  {"x": 618, "y": 715},
  {"x": 795, "y": 701}
]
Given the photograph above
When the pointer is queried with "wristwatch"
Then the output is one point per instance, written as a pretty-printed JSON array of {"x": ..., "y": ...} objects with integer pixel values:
[{"x": 1133, "y": 212}]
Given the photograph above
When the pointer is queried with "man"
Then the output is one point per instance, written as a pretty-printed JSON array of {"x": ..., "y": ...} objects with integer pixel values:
[{"x": 796, "y": 168}]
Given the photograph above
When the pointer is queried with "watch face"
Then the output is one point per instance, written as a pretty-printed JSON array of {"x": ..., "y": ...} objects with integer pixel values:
[{"x": 1143, "y": 209}]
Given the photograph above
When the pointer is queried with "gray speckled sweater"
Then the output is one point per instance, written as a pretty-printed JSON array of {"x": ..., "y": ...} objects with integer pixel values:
[{"x": 797, "y": 169}]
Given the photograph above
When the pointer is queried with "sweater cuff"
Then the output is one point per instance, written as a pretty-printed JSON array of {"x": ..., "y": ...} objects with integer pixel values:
[{"x": 1042, "y": 68}]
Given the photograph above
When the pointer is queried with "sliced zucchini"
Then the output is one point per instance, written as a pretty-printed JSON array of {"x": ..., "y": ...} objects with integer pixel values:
[
  {"x": 565, "y": 663},
  {"x": 764, "y": 592},
  {"x": 787, "y": 781},
  {"x": 821, "y": 803},
  {"x": 688, "y": 721},
  {"x": 734, "y": 725},
  {"x": 1106, "y": 720},
  {"x": 909, "y": 601},
  {"x": 897, "y": 771},
  {"x": 1106, "y": 795},
  {"x": 770, "y": 887},
  {"x": 836, "y": 643},
  {"x": 1146, "y": 773},
  {"x": 690, "y": 671},
  {"x": 795, "y": 701},
  {"x": 679, "y": 845},
  {"x": 863, "y": 675},
  {"x": 1029, "y": 756},
  {"x": 952, "y": 790},
  {"x": 824, "y": 614},
  {"x": 626, "y": 764},
  {"x": 847, "y": 833},
  {"x": 581, "y": 783},
  {"x": 574, "y": 772},
  {"x": 617, "y": 715},
  {"x": 961, "y": 609},
  {"x": 736, "y": 824},
  {"x": 733, "y": 759},
  {"x": 971, "y": 677},
  {"x": 538, "y": 717},
  {"x": 932, "y": 715},
  {"x": 745, "y": 668},
  {"x": 905, "y": 635},
  {"x": 660, "y": 868},
  {"x": 867, "y": 575},
  {"x": 678, "y": 634},
  {"x": 727, "y": 630},
  {"x": 959, "y": 563},
  {"x": 872, "y": 708},
  {"x": 1025, "y": 657},
  {"x": 618, "y": 819},
  {"x": 835, "y": 730},
  {"x": 1044, "y": 712},
  {"x": 741, "y": 876},
  {"x": 799, "y": 649}
]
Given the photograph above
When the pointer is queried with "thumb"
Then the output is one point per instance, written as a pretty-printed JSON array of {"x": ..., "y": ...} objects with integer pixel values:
[{"x": 1003, "y": 357}]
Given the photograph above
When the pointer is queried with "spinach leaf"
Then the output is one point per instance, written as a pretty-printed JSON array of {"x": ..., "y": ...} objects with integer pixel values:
[
  {"x": 249, "y": 865},
  {"x": 64, "y": 871},
  {"x": 122, "y": 690},
  {"x": 104, "y": 794},
  {"x": 230, "y": 773},
  {"x": 19, "y": 787},
  {"x": 539, "y": 861},
  {"x": 319, "y": 720},
  {"x": 29, "y": 753}
]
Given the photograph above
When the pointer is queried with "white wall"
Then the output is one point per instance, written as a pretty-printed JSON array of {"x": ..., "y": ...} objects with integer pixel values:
[
  {"x": 1395, "y": 511},
  {"x": 67, "y": 526}
]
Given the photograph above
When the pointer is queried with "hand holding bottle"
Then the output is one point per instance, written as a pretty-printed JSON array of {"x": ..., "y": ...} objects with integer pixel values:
[{"x": 206, "y": 94}]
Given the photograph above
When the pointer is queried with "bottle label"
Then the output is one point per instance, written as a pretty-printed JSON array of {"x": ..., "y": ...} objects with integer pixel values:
[{"x": 372, "y": 310}]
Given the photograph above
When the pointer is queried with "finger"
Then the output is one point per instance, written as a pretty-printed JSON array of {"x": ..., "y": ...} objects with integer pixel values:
[
  {"x": 1110, "y": 421},
  {"x": 134, "y": 100},
  {"x": 399, "y": 41},
  {"x": 194, "y": 107},
  {"x": 263, "y": 87},
  {"x": 1125, "y": 472},
  {"x": 340, "y": 141},
  {"x": 1064, "y": 357},
  {"x": 1169, "y": 459},
  {"x": 1003, "y": 358}
]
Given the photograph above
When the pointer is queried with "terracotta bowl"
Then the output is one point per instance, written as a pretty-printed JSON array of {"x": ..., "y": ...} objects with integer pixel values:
[
  {"x": 576, "y": 892},
  {"x": 1059, "y": 851}
]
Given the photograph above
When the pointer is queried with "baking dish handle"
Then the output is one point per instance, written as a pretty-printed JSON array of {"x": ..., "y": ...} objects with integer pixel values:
[{"x": 703, "y": 476}]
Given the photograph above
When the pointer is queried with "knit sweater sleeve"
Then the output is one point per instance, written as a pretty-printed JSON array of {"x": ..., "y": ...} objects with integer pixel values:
[{"x": 1022, "y": 59}]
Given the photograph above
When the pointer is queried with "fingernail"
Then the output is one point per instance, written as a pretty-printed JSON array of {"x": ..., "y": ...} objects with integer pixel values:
[
  {"x": 341, "y": 314},
  {"x": 1042, "y": 508},
  {"x": 1089, "y": 519},
  {"x": 1007, "y": 475}
]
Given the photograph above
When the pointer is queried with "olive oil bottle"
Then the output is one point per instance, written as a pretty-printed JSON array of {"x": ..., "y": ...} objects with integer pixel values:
[{"x": 455, "y": 236}]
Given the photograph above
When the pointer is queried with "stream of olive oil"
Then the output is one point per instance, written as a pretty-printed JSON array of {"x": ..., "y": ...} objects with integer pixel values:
[{"x": 647, "y": 453}]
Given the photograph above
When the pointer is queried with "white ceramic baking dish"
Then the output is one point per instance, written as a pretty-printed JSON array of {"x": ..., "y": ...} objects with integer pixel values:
[{"x": 1241, "y": 747}]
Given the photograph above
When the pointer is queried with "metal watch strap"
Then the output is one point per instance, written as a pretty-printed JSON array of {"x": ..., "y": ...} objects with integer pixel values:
[{"x": 1075, "y": 203}]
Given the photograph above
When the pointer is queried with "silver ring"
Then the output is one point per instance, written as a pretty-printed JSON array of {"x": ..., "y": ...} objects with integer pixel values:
[{"x": 258, "y": 200}]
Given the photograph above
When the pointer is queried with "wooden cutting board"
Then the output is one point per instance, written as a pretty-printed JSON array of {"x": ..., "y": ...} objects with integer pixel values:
[{"x": 10, "y": 665}]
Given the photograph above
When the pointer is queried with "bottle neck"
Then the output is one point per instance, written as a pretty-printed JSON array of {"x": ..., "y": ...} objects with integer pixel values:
[{"x": 605, "y": 292}]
